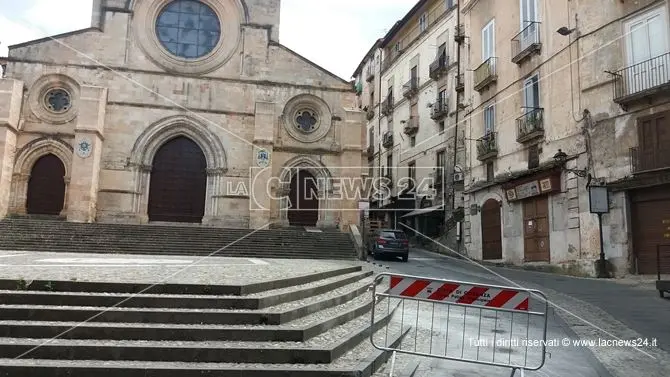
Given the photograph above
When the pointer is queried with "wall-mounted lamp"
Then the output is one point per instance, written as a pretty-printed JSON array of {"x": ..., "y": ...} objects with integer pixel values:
[
  {"x": 564, "y": 31},
  {"x": 561, "y": 157}
]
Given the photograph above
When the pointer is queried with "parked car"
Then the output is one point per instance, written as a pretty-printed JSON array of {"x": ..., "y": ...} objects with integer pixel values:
[{"x": 391, "y": 242}]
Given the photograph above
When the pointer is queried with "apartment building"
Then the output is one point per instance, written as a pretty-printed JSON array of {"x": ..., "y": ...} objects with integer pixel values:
[
  {"x": 410, "y": 86},
  {"x": 562, "y": 96}
]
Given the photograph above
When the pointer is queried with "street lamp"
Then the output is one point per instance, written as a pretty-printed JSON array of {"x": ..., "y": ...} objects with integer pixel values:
[{"x": 561, "y": 157}]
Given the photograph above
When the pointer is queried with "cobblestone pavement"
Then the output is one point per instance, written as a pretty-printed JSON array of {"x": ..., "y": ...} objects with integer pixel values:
[
  {"x": 150, "y": 269},
  {"x": 582, "y": 310}
]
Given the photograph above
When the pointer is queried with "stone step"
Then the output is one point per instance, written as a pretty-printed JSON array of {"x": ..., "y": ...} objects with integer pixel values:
[
  {"x": 275, "y": 315},
  {"x": 321, "y": 349},
  {"x": 256, "y": 301},
  {"x": 361, "y": 361},
  {"x": 178, "y": 289}
]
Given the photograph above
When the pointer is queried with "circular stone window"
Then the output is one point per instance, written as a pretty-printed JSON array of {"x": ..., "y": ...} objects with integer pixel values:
[
  {"x": 57, "y": 100},
  {"x": 188, "y": 29},
  {"x": 306, "y": 120}
]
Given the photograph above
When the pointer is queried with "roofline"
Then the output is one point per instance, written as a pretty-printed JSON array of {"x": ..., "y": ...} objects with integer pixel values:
[
  {"x": 52, "y": 37},
  {"x": 366, "y": 56},
  {"x": 312, "y": 63},
  {"x": 399, "y": 24}
]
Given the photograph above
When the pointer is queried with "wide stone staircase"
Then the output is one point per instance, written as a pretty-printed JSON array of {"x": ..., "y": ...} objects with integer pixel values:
[
  {"x": 313, "y": 325},
  {"x": 26, "y": 234}
]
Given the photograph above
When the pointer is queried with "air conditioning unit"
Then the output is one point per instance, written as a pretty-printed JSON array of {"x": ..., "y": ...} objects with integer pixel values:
[{"x": 458, "y": 177}]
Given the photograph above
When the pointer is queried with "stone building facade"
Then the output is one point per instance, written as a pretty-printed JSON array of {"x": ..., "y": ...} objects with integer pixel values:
[
  {"x": 176, "y": 111},
  {"x": 565, "y": 96}
]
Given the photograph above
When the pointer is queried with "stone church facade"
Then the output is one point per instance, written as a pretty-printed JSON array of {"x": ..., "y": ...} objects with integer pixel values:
[{"x": 176, "y": 111}]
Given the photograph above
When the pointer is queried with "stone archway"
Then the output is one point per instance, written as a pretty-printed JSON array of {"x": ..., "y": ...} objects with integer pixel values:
[
  {"x": 320, "y": 176},
  {"x": 178, "y": 183},
  {"x": 491, "y": 230},
  {"x": 157, "y": 135},
  {"x": 27, "y": 158},
  {"x": 46, "y": 187}
]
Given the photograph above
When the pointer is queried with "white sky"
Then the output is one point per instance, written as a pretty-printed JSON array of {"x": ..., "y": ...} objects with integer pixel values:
[{"x": 332, "y": 33}]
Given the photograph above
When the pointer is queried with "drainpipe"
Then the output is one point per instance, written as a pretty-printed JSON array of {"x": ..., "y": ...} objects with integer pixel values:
[{"x": 453, "y": 170}]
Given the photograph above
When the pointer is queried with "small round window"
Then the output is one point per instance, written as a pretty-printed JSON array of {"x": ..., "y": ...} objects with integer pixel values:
[
  {"x": 306, "y": 120},
  {"x": 57, "y": 100},
  {"x": 189, "y": 29}
]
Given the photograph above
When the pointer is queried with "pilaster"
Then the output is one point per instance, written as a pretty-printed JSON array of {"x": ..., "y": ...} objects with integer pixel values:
[
  {"x": 260, "y": 173},
  {"x": 11, "y": 98}
]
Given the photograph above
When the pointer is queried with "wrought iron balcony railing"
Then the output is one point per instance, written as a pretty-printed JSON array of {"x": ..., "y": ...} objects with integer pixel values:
[
  {"x": 460, "y": 83},
  {"x": 411, "y": 126},
  {"x": 438, "y": 67},
  {"x": 459, "y": 33},
  {"x": 526, "y": 42},
  {"x": 370, "y": 114},
  {"x": 387, "y": 139},
  {"x": 530, "y": 125},
  {"x": 440, "y": 109},
  {"x": 411, "y": 87},
  {"x": 642, "y": 79},
  {"x": 387, "y": 106},
  {"x": 487, "y": 146},
  {"x": 642, "y": 160},
  {"x": 486, "y": 74}
]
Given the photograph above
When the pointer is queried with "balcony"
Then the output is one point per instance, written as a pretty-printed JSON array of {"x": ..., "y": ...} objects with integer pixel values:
[
  {"x": 370, "y": 114},
  {"x": 371, "y": 152},
  {"x": 459, "y": 33},
  {"x": 642, "y": 80},
  {"x": 643, "y": 160},
  {"x": 387, "y": 106},
  {"x": 530, "y": 125},
  {"x": 526, "y": 43},
  {"x": 438, "y": 67},
  {"x": 486, "y": 74},
  {"x": 487, "y": 146},
  {"x": 370, "y": 74},
  {"x": 387, "y": 139},
  {"x": 460, "y": 83},
  {"x": 410, "y": 88},
  {"x": 440, "y": 109},
  {"x": 437, "y": 176},
  {"x": 411, "y": 126}
]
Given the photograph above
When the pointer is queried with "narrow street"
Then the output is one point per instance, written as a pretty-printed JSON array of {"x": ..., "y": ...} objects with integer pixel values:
[{"x": 585, "y": 309}]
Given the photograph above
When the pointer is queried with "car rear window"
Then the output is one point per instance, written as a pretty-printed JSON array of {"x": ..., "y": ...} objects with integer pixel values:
[{"x": 395, "y": 235}]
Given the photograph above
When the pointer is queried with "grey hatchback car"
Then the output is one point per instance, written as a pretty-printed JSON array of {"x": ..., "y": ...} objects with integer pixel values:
[{"x": 391, "y": 242}]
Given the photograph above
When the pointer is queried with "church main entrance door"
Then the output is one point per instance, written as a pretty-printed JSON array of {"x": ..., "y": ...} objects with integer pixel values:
[
  {"x": 178, "y": 182},
  {"x": 304, "y": 200},
  {"x": 46, "y": 187}
]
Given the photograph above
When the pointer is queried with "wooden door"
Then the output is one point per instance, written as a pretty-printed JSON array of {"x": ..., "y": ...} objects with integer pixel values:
[
  {"x": 46, "y": 187},
  {"x": 536, "y": 229},
  {"x": 178, "y": 182},
  {"x": 304, "y": 200},
  {"x": 649, "y": 208},
  {"x": 491, "y": 230},
  {"x": 654, "y": 139}
]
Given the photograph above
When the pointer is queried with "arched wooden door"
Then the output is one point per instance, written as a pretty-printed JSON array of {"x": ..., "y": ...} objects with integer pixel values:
[
  {"x": 178, "y": 184},
  {"x": 491, "y": 230},
  {"x": 46, "y": 187},
  {"x": 304, "y": 200}
]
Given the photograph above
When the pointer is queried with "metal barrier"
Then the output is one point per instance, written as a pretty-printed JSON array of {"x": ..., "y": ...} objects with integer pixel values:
[{"x": 461, "y": 321}]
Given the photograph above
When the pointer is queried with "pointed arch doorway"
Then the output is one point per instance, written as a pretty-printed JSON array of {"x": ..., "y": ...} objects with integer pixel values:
[
  {"x": 304, "y": 200},
  {"x": 46, "y": 187},
  {"x": 491, "y": 230},
  {"x": 178, "y": 183}
]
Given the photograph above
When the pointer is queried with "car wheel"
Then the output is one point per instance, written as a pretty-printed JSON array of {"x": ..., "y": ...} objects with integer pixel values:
[{"x": 405, "y": 258}]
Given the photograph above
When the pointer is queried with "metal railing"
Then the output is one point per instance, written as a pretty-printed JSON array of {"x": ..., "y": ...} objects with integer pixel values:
[
  {"x": 486, "y": 73},
  {"x": 642, "y": 78},
  {"x": 527, "y": 41},
  {"x": 411, "y": 87},
  {"x": 461, "y": 321},
  {"x": 487, "y": 146},
  {"x": 387, "y": 105},
  {"x": 459, "y": 33},
  {"x": 438, "y": 67},
  {"x": 440, "y": 109},
  {"x": 649, "y": 159},
  {"x": 387, "y": 139},
  {"x": 530, "y": 125},
  {"x": 460, "y": 82},
  {"x": 370, "y": 114},
  {"x": 370, "y": 73},
  {"x": 412, "y": 125}
]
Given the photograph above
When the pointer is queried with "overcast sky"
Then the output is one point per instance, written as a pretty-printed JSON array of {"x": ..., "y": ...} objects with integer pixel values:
[{"x": 333, "y": 33}]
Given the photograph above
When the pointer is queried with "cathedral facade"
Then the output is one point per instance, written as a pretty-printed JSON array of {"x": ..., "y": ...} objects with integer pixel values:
[{"x": 177, "y": 111}]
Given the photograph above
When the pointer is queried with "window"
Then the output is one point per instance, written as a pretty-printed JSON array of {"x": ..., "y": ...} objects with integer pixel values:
[
  {"x": 488, "y": 41},
  {"x": 647, "y": 38},
  {"x": 442, "y": 97},
  {"x": 188, "y": 29},
  {"x": 533, "y": 157},
  {"x": 372, "y": 98},
  {"x": 490, "y": 173},
  {"x": 397, "y": 46},
  {"x": 371, "y": 136},
  {"x": 450, "y": 3},
  {"x": 489, "y": 119},
  {"x": 411, "y": 171},
  {"x": 528, "y": 13},
  {"x": 389, "y": 164},
  {"x": 531, "y": 94},
  {"x": 414, "y": 73},
  {"x": 440, "y": 161},
  {"x": 442, "y": 53},
  {"x": 412, "y": 141},
  {"x": 423, "y": 23},
  {"x": 440, "y": 126},
  {"x": 57, "y": 100}
]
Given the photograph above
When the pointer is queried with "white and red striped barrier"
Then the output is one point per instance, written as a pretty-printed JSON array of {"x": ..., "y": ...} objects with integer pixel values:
[{"x": 459, "y": 293}]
